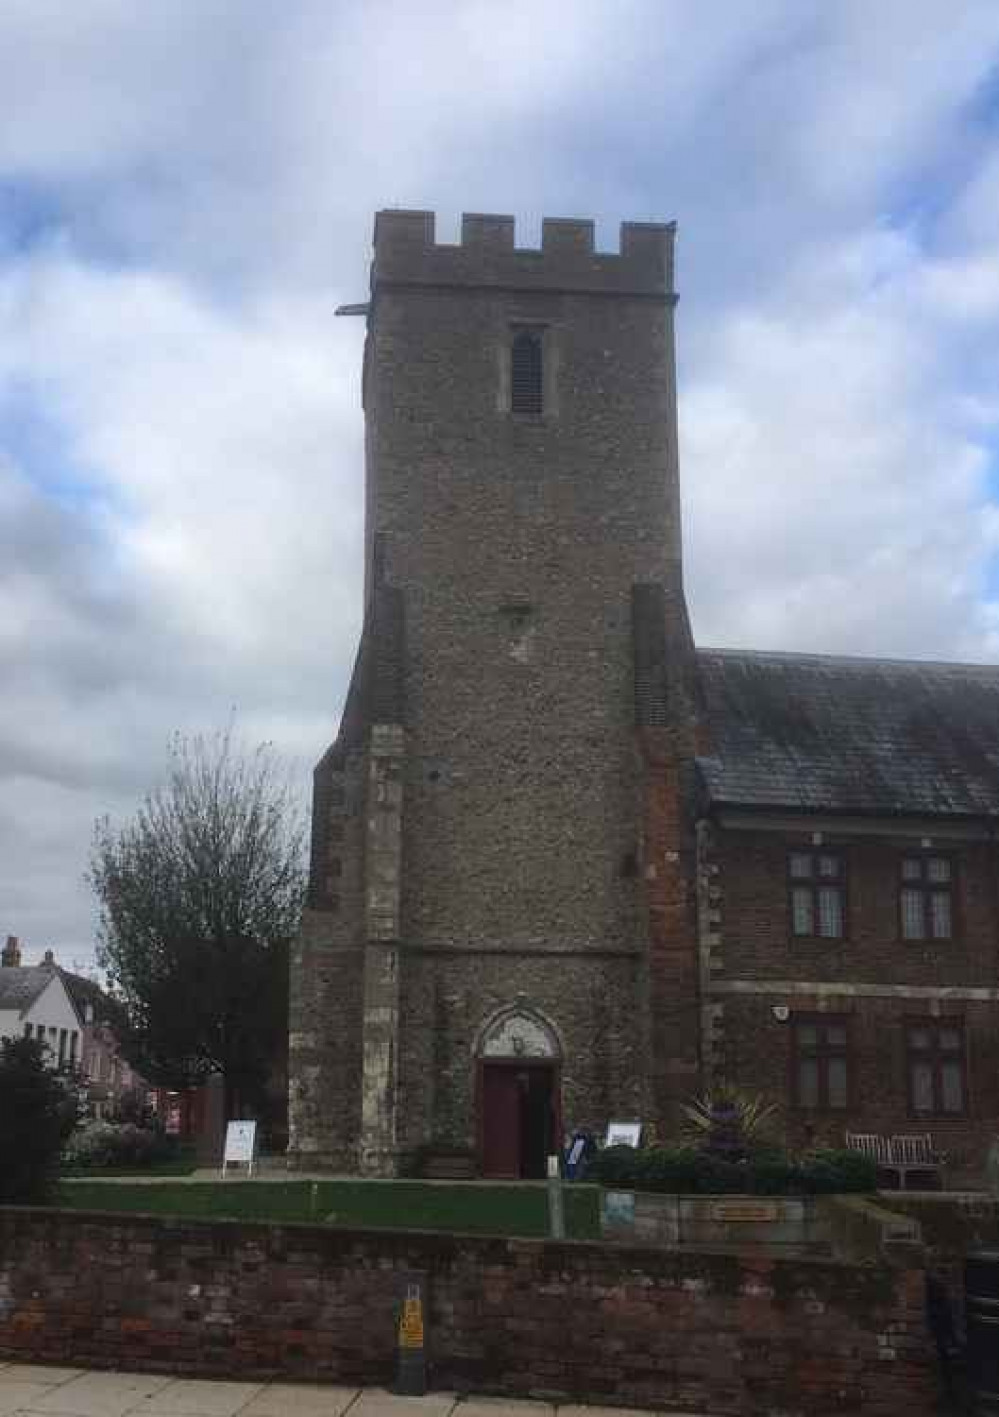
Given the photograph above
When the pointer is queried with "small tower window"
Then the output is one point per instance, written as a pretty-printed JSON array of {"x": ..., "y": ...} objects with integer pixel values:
[{"x": 526, "y": 375}]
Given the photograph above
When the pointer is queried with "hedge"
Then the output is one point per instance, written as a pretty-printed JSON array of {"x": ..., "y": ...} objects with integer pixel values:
[{"x": 687, "y": 1169}]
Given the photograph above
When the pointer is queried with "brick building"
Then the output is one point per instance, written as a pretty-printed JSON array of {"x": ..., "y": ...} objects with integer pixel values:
[
  {"x": 108, "y": 1078},
  {"x": 565, "y": 867},
  {"x": 848, "y": 874}
]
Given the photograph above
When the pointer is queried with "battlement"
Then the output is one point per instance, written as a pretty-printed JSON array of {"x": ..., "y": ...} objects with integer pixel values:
[{"x": 406, "y": 253}]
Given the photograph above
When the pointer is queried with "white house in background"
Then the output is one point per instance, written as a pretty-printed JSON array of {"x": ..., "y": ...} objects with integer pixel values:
[{"x": 35, "y": 1003}]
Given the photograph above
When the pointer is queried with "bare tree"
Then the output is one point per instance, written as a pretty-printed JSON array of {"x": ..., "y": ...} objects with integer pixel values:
[{"x": 198, "y": 898}]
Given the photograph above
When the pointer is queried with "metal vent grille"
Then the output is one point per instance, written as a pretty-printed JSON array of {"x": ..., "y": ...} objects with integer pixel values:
[{"x": 526, "y": 375}]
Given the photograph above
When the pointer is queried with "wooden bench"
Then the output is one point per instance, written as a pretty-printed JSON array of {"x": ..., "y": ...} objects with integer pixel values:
[{"x": 900, "y": 1156}]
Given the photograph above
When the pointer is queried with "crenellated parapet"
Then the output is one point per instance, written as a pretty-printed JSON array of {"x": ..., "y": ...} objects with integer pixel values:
[{"x": 407, "y": 253}]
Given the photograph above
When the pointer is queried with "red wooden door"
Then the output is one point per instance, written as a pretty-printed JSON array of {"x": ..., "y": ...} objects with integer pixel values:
[{"x": 500, "y": 1121}]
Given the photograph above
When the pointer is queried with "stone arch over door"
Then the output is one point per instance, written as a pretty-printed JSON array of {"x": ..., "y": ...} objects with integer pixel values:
[
  {"x": 518, "y": 1031},
  {"x": 518, "y": 1059}
]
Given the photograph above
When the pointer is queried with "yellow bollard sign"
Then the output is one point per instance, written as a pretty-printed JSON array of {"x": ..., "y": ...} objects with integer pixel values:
[
  {"x": 411, "y": 1323},
  {"x": 411, "y": 1340}
]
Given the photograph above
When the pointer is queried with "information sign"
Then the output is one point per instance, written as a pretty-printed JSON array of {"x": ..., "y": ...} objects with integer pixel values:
[
  {"x": 745, "y": 1211},
  {"x": 619, "y": 1208},
  {"x": 240, "y": 1146},
  {"x": 623, "y": 1134}
]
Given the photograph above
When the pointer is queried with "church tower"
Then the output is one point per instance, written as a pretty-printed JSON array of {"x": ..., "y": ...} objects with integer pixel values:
[{"x": 498, "y": 942}]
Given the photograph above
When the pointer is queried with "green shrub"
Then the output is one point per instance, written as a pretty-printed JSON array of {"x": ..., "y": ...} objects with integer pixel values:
[
  {"x": 686, "y": 1169},
  {"x": 117, "y": 1144},
  {"x": 831, "y": 1171},
  {"x": 38, "y": 1110},
  {"x": 620, "y": 1164}
]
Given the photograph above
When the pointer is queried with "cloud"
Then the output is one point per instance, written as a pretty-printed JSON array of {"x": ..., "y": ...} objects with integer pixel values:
[
  {"x": 221, "y": 506},
  {"x": 185, "y": 195},
  {"x": 838, "y": 475},
  {"x": 222, "y": 446}
]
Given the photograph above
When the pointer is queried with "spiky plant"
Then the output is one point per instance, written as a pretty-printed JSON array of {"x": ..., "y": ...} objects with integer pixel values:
[{"x": 726, "y": 1121}]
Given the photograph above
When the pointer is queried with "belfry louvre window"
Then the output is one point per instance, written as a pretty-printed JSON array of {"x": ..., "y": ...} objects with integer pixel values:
[
  {"x": 926, "y": 899},
  {"x": 816, "y": 887},
  {"x": 526, "y": 373},
  {"x": 819, "y": 1061}
]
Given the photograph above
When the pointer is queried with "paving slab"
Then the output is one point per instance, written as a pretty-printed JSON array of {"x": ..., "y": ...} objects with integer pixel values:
[
  {"x": 571, "y": 1409},
  {"x": 505, "y": 1407},
  {"x": 41, "y": 1373},
  {"x": 18, "y": 1397},
  {"x": 376, "y": 1402},
  {"x": 100, "y": 1394},
  {"x": 300, "y": 1400},
  {"x": 34, "y": 1390},
  {"x": 198, "y": 1397},
  {"x": 581, "y": 1410}
]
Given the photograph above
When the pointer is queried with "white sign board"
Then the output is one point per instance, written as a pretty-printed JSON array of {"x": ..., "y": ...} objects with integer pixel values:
[
  {"x": 623, "y": 1134},
  {"x": 240, "y": 1145}
]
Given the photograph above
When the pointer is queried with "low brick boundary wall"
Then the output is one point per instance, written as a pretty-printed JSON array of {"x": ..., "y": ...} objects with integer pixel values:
[
  {"x": 599, "y": 1322},
  {"x": 951, "y": 1223}
]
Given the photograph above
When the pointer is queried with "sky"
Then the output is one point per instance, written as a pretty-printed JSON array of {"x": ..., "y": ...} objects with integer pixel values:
[{"x": 187, "y": 190}]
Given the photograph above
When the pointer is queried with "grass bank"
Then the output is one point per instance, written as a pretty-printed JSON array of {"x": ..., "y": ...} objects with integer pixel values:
[{"x": 410, "y": 1205}]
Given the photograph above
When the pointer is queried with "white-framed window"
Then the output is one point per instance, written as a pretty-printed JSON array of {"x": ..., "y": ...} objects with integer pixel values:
[
  {"x": 817, "y": 892},
  {"x": 926, "y": 898}
]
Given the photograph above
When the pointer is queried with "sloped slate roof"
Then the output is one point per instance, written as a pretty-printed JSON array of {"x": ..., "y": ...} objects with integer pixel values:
[
  {"x": 825, "y": 733},
  {"x": 20, "y": 985},
  {"x": 83, "y": 991}
]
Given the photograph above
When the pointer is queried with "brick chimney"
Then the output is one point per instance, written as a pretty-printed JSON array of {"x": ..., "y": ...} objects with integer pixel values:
[{"x": 10, "y": 956}]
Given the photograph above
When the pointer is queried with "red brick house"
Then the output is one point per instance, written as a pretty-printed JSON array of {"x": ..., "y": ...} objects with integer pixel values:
[{"x": 840, "y": 858}]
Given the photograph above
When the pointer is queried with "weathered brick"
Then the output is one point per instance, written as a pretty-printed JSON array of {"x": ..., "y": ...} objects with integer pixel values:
[
  {"x": 758, "y": 946},
  {"x": 594, "y": 1322}
]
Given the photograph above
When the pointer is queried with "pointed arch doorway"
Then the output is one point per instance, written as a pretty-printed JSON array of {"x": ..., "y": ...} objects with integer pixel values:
[{"x": 519, "y": 1095}]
